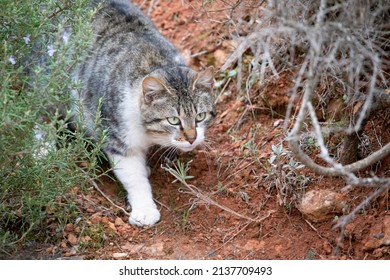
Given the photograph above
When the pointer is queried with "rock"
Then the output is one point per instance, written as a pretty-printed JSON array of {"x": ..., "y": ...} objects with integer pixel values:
[
  {"x": 220, "y": 57},
  {"x": 377, "y": 239},
  {"x": 278, "y": 122},
  {"x": 119, "y": 255},
  {"x": 132, "y": 248},
  {"x": 96, "y": 218},
  {"x": 112, "y": 226},
  {"x": 321, "y": 205},
  {"x": 254, "y": 245},
  {"x": 85, "y": 239},
  {"x": 119, "y": 222},
  {"x": 63, "y": 244},
  {"x": 155, "y": 250},
  {"x": 73, "y": 250},
  {"x": 69, "y": 228},
  {"x": 72, "y": 238}
]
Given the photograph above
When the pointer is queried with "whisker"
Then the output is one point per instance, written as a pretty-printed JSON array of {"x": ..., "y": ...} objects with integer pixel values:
[
  {"x": 167, "y": 153},
  {"x": 172, "y": 152},
  {"x": 165, "y": 147},
  {"x": 160, "y": 148},
  {"x": 209, "y": 141}
]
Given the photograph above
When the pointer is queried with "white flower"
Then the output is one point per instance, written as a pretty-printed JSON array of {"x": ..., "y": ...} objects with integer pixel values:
[
  {"x": 65, "y": 37},
  {"x": 50, "y": 50},
  {"x": 27, "y": 39},
  {"x": 12, "y": 60}
]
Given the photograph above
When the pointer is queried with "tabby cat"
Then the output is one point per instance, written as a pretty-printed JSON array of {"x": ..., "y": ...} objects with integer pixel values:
[{"x": 145, "y": 95}]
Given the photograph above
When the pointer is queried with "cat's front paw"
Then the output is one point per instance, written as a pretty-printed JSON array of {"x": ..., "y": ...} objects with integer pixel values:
[{"x": 144, "y": 216}]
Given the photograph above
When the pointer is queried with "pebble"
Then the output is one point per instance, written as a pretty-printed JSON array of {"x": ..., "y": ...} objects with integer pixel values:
[
  {"x": 321, "y": 205},
  {"x": 119, "y": 255},
  {"x": 119, "y": 222},
  {"x": 72, "y": 238}
]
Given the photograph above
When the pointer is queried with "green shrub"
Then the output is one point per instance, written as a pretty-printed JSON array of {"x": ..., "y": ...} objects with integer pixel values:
[{"x": 41, "y": 42}]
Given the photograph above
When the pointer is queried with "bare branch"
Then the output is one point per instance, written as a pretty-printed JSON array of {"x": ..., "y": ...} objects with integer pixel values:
[{"x": 336, "y": 171}]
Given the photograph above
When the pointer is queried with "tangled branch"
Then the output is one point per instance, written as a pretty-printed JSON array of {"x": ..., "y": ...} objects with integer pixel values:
[{"x": 336, "y": 50}]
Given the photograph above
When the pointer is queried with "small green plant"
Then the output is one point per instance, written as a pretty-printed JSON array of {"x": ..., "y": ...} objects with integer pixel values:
[
  {"x": 222, "y": 189},
  {"x": 93, "y": 237},
  {"x": 185, "y": 218},
  {"x": 180, "y": 171},
  {"x": 310, "y": 254}
]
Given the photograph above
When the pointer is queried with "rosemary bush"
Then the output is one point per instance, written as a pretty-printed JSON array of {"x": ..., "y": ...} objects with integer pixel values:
[{"x": 40, "y": 43}]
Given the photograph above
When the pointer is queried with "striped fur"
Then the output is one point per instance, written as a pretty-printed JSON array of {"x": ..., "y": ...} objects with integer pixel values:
[{"x": 148, "y": 96}]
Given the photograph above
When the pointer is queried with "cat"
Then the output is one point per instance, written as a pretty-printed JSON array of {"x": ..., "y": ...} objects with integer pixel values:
[{"x": 145, "y": 95}]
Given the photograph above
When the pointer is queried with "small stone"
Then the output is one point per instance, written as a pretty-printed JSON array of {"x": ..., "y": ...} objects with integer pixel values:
[
  {"x": 72, "y": 238},
  {"x": 119, "y": 255},
  {"x": 69, "y": 228},
  {"x": 155, "y": 249},
  {"x": 132, "y": 248},
  {"x": 277, "y": 122},
  {"x": 85, "y": 238},
  {"x": 220, "y": 57},
  {"x": 73, "y": 251},
  {"x": 379, "y": 235},
  {"x": 112, "y": 226},
  {"x": 321, "y": 205},
  {"x": 376, "y": 239},
  {"x": 63, "y": 244},
  {"x": 254, "y": 245},
  {"x": 119, "y": 222},
  {"x": 96, "y": 219}
]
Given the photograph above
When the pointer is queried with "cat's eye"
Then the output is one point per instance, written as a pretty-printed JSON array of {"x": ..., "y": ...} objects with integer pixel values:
[
  {"x": 174, "y": 120},
  {"x": 200, "y": 117}
]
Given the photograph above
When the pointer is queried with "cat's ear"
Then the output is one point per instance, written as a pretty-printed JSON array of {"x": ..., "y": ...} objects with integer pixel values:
[
  {"x": 204, "y": 79},
  {"x": 152, "y": 89}
]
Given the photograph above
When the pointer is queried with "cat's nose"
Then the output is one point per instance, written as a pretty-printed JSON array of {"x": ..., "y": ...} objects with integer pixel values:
[
  {"x": 191, "y": 139},
  {"x": 190, "y": 135}
]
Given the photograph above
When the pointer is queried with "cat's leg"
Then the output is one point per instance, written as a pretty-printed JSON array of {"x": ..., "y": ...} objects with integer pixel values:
[{"x": 133, "y": 174}]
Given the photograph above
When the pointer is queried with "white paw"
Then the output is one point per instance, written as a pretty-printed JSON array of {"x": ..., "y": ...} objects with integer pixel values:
[{"x": 144, "y": 216}]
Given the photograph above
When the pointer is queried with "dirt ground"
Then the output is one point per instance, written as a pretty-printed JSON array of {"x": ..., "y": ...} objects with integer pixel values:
[{"x": 244, "y": 219}]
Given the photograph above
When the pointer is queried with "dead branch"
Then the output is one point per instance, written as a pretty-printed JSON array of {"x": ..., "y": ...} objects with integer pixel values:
[
  {"x": 205, "y": 198},
  {"x": 381, "y": 101},
  {"x": 340, "y": 169}
]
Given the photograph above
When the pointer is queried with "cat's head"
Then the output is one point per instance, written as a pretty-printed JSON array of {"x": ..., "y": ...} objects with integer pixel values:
[{"x": 177, "y": 105}]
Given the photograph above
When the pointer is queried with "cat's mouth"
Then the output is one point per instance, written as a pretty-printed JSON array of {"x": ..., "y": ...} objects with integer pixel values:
[
  {"x": 186, "y": 146},
  {"x": 189, "y": 149}
]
